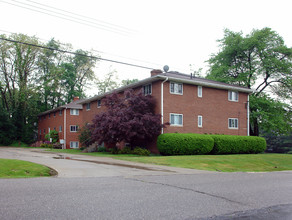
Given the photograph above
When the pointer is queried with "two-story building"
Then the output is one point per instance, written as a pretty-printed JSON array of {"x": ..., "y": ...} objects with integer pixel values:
[{"x": 190, "y": 104}]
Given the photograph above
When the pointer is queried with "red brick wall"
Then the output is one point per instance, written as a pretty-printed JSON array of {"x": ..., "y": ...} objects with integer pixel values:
[
  {"x": 50, "y": 122},
  {"x": 213, "y": 106},
  {"x": 73, "y": 120}
]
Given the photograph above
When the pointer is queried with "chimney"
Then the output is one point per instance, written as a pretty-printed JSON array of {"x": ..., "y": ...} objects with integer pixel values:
[
  {"x": 155, "y": 72},
  {"x": 76, "y": 98}
]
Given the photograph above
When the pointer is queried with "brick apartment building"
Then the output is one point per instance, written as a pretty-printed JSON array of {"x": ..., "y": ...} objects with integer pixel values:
[{"x": 189, "y": 104}]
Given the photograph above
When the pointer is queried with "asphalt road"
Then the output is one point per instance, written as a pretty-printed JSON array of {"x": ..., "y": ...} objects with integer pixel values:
[{"x": 150, "y": 192}]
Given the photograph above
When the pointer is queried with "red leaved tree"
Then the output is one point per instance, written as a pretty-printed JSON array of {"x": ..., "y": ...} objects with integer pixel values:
[{"x": 129, "y": 117}]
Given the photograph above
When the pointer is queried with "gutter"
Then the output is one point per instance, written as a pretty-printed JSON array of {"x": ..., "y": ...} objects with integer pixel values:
[
  {"x": 65, "y": 110},
  {"x": 247, "y": 126},
  {"x": 208, "y": 84},
  {"x": 162, "y": 103}
]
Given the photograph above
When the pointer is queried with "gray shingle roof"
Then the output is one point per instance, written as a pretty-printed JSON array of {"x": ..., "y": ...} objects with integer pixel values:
[{"x": 72, "y": 105}]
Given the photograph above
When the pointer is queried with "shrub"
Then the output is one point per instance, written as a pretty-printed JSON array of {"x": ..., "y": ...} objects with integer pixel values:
[
  {"x": 101, "y": 149},
  {"x": 141, "y": 151},
  {"x": 184, "y": 144},
  {"x": 126, "y": 150},
  {"x": 54, "y": 135},
  {"x": 46, "y": 145},
  {"x": 229, "y": 144}
]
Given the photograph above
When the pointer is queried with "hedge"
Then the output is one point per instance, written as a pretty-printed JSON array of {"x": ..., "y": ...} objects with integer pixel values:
[
  {"x": 230, "y": 144},
  {"x": 189, "y": 144},
  {"x": 184, "y": 144}
]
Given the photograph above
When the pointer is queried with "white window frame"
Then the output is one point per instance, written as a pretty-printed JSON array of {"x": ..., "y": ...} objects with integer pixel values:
[
  {"x": 146, "y": 91},
  {"x": 200, "y": 121},
  {"x": 60, "y": 128},
  {"x": 99, "y": 103},
  {"x": 174, "y": 85},
  {"x": 73, "y": 144},
  {"x": 87, "y": 106},
  {"x": 60, "y": 112},
  {"x": 175, "y": 114},
  {"x": 233, "y": 96},
  {"x": 200, "y": 91},
  {"x": 74, "y": 111},
  {"x": 75, "y": 128},
  {"x": 235, "y": 123}
]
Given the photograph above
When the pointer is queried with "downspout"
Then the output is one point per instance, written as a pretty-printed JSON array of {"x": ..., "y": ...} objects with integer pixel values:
[
  {"x": 247, "y": 115},
  {"x": 65, "y": 110},
  {"x": 162, "y": 103}
]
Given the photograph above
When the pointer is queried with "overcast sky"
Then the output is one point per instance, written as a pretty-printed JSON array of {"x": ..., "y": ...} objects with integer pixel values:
[{"x": 151, "y": 33}]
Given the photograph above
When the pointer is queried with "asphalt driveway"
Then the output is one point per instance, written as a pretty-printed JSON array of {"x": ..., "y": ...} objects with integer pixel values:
[
  {"x": 103, "y": 188},
  {"x": 68, "y": 165}
]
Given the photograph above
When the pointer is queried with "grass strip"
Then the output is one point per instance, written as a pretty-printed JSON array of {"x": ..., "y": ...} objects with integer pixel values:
[
  {"x": 22, "y": 169},
  {"x": 222, "y": 163}
]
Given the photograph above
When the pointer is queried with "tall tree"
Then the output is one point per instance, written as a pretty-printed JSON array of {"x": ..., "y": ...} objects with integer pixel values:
[
  {"x": 33, "y": 80},
  {"x": 108, "y": 83},
  {"x": 17, "y": 65},
  {"x": 260, "y": 61},
  {"x": 77, "y": 72}
]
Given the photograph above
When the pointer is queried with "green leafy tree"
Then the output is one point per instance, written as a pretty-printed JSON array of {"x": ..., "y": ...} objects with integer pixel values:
[
  {"x": 34, "y": 79},
  {"x": 260, "y": 61},
  {"x": 126, "y": 82},
  {"x": 54, "y": 135},
  {"x": 77, "y": 72},
  {"x": 17, "y": 66},
  {"x": 108, "y": 83}
]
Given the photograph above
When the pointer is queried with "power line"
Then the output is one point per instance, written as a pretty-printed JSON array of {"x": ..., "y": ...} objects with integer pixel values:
[
  {"x": 74, "y": 53},
  {"x": 118, "y": 26},
  {"x": 98, "y": 51},
  {"x": 65, "y": 17}
]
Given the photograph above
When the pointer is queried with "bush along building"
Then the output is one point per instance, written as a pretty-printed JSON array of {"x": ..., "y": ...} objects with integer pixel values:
[{"x": 190, "y": 105}]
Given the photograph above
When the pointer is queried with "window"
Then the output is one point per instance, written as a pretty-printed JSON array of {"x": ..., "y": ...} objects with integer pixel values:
[
  {"x": 98, "y": 103},
  {"x": 147, "y": 90},
  {"x": 176, "y": 88},
  {"x": 200, "y": 121},
  {"x": 54, "y": 114},
  {"x": 73, "y": 128},
  {"x": 49, "y": 129},
  {"x": 54, "y": 128},
  {"x": 200, "y": 91},
  {"x": 232, "y": 123},
  {"x": 176, "y": 119},
  {"x": 60, "y": 112},
  {"x": 74, "y": 144},
  {"x": 233, "y": 96},
  {"x": 74, "y": 111},
  {"x": 87, "y": 106},
  {"x": 50, "y": 115},
  {"x": 60, "y": 128}
]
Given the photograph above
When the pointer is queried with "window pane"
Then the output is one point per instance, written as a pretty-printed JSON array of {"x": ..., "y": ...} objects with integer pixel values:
[
  {"x": 180, "y": 119},
  {"x": 199, "y": 91},
  {"x": 171, "y": 119},
  {"x": 180, "y": 88},
  {"x": 172, "y": 87}
]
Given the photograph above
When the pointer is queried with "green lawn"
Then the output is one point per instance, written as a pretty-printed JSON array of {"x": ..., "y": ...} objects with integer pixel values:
[
  {"x": 22, "y": 169},
  {"x": 223, "y": 163}
]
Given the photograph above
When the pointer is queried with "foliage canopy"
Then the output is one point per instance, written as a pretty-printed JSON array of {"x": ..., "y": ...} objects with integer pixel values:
[
  {"x": 260, "y": 61},
  {"x": 129, "y": 117}
]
